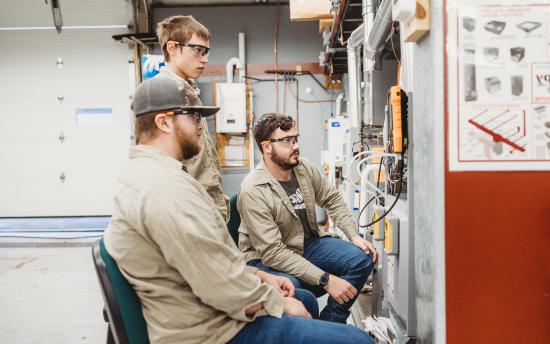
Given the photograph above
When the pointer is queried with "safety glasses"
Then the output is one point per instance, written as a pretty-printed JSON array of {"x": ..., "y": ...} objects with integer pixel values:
[
  {"x": 285, "y": 141},
  {"x": 197, "y": 49}
]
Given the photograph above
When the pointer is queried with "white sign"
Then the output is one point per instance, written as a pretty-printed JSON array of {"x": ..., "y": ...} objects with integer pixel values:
[
  {"x": 498, "y": 64},
  {"x": 96, "y": 117}
]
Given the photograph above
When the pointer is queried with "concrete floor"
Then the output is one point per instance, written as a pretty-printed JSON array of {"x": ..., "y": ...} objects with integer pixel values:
[{"x": 49, "y": 295}]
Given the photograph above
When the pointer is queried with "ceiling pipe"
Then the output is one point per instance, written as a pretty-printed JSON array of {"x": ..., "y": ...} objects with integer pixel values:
[
  {"x": 237, "y": 62},
  {"x": 380, "y": 30},
  {"x": 368, "y": 13},
  {"x": 339, "y": 101},
  {"x": 242, "y": 51},
  {"x": 233, "y": 62},
  {"x": 354, "y": 88}
]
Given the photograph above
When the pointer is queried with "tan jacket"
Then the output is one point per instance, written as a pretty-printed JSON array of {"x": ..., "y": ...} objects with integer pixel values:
[
  {"x": 176, "y": 252},
  {"x": 205, "y": 166},
  {"x": 270, "y": 229}
]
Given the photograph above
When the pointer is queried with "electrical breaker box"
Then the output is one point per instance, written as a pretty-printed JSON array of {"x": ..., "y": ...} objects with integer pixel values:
[
  {"x": 231, "y": 98},
  {"x": 391, "y": 235}
]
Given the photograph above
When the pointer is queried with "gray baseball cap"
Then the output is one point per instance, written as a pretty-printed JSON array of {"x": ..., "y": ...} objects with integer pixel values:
[{"x": 163, "y": 93}]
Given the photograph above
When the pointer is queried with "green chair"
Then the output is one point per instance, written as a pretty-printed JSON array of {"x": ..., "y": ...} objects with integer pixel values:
[
  {"x": 234, "y": 220},
  {"x": 122, "y": 308}
]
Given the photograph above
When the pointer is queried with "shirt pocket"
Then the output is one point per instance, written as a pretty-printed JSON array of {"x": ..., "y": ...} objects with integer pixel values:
[{"x": 284, "y": 220}]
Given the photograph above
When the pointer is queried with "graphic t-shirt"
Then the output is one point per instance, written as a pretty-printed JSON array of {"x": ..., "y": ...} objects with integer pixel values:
[{"x": 293, "y": 191}]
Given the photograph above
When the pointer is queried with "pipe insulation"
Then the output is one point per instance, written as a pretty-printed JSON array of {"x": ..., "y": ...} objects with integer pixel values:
[
  {"x": 368, "y": 13},
  {"x": 380, "y": 30},
  {"x": 354, "y": 88},
  {"x": 339, "y": 101},
  {"x": 242, "y": 51}
]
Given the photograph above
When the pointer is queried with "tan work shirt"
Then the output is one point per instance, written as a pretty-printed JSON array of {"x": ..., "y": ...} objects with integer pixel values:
[
  {"x": 205, "y": 166},
  {"x": 177, "y": 253},
  {"x": 270, "y": 229}
]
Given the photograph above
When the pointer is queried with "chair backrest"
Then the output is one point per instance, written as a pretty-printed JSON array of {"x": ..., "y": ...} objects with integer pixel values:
[
  {"x": 121, "y": 302},
  {"x": 234, "y": 220}
]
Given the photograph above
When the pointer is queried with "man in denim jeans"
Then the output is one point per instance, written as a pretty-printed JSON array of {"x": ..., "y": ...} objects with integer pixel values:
[
  {"x": 279, "y": 232},
  {"x": 175, "y": 249}
]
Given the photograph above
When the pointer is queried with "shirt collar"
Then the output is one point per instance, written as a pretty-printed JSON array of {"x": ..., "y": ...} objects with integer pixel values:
[{"x": 146, "y": 151}]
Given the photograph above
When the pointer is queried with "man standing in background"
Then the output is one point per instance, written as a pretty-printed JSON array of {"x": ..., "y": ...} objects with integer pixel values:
[{"x": 185, "y": 44}]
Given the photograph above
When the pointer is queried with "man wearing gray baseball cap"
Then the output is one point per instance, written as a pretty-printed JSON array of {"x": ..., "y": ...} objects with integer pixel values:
[{"x": 173, "y": 246}]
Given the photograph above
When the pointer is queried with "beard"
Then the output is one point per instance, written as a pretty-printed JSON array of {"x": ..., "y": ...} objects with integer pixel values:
[
  {"x": 189, "y": 146},
  {"x": 286, "y": 163}
]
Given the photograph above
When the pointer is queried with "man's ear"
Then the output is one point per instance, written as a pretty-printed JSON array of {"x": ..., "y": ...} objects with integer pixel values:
[
  {"x": 163, "y": 122},
  {"x": 171, "y": 49},
  {"x": 266, "y": 147}
]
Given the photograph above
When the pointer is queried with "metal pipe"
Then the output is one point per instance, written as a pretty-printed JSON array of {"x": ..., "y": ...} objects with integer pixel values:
[
  {"x": 380, "y": 30},
  {"x": 339, "y": 101},
  {"x": 233, "y": 62},
  {"x": 251, "y": 129},
  {"x": 354, "y": 89},
  {"x": 368, "y": 12},
  {"x": 356, "y": 38},
  {"x": 242, "y": 52},
  {"x": 143, "y": 45}
]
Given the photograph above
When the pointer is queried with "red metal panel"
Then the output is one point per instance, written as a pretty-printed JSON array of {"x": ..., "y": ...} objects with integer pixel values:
[
  {"x": 497, "y": 240},
  {"x": 497, "y": 254}
]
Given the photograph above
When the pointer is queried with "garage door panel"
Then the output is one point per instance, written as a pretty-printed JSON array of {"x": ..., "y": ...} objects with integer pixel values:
[
  {"x": 46, "y": 198},
  {"x": 25, "y": 13},
  {"x": 39, "y": 13},
  {"x": 78, "y": 176},
  {"x": 38, "y": 155}
]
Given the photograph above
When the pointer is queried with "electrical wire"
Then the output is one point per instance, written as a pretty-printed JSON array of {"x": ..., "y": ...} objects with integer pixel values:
[
  {"x": 375, "y": 196},
  {"x": 392, "y": 47},
  {"x": 389, "y": 210},
  {"x": 309, "y": 101}
]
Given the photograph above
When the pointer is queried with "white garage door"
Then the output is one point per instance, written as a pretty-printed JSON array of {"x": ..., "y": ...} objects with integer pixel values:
[{"x": 65, "y": 122}]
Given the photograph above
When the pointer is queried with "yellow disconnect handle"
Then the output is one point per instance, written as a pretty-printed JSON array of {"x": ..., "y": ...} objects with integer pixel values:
[{"x": 397, "y": 131}]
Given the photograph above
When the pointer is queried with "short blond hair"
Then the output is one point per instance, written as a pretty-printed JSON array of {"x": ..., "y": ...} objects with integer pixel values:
[{"x": 179, "y": 29}]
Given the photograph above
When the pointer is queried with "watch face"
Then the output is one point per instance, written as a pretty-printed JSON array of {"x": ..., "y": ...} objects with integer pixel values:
[{"x": 324, "y": 279}]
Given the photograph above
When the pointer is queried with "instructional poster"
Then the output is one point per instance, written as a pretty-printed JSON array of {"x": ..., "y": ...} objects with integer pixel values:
[{"x": 498, "y": 72}]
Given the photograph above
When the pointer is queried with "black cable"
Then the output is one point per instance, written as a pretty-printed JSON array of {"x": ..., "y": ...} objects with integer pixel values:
[
  {"x": 391, "y": 207},
  {"x": 373, "y": 197}
]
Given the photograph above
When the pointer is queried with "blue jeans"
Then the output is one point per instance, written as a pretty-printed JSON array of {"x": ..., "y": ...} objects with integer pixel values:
[
  {"x": 338, "y": 257},
  {"x": 293, "y": 330},
  {"x": 309, "y": 300}
]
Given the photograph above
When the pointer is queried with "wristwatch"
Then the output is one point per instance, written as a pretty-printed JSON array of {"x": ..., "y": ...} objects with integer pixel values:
[{"x": 323, "y": 281}]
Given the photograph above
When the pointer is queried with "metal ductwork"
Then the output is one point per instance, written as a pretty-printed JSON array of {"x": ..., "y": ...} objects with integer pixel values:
[
  {"x": 355, "y": 40},
  {"x": 380, "y": 31},
  {"x": 368, "y": 13}
]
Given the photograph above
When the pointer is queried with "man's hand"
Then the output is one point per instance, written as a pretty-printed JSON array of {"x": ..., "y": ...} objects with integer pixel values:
[
  {"x": 365, "y": 246},
  {"x": 340, "y": 290},
  {"x": 295, "y": 308},
  {"x": 282, "y": 284}
]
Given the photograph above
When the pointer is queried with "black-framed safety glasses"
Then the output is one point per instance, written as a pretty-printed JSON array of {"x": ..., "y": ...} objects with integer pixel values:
[
  {"x": 198, "y": 50},
  {"x": 195, "y": 114},
  {"x": 287, "y": 140}
]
